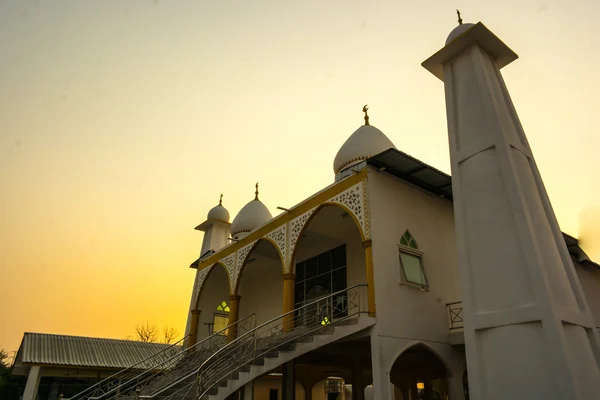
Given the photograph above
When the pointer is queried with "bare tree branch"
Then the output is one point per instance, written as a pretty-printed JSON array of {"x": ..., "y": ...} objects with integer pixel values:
[
  {"x": 146, "y": 332},
  {"x": 170, "y": 334}
]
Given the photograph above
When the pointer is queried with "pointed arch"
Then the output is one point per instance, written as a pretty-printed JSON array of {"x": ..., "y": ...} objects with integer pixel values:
[
  {"x": 248, "y": 256},
  {"x": 408, "y": 240},
  {"x": 294, "y": 246},
  {"x": 418, "y": 344},
  {"x": 206, "y": 278}
]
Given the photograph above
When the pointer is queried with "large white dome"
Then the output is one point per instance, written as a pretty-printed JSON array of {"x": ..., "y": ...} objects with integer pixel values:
[
  {"x": 365, "y": 142},
  {"x": 251, "y": 216}
]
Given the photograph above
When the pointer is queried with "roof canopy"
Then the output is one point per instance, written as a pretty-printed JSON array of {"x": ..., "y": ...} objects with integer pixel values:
[{"x": 80, "y": 351}]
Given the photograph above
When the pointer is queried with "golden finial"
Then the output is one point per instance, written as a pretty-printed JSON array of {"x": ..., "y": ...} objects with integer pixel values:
[
  {"x": 459, "y": 18},
  {"x": 365, "y": 109},
  {"x": 256, "y": 193},
  {"x": 221, "y": 200}
]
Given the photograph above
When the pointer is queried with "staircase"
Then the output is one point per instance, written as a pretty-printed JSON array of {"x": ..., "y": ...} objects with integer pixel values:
[
  {"x": 254, "y": 353},
  {"x": 162, "y": 368}
]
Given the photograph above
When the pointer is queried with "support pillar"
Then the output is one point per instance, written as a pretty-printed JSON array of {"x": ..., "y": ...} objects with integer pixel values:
[
  {"x": 33, "y": 383},
  {"x": 288, "y": 301},
  {"x": 249, "y": 391},
  {"x": 539, "y": 342},
  {"x": 288, "y": 381},
  {"x": 455, "y": 387},
  {"x": 195, "y": 318},
  {"x": 234, "y": 308},
  {"x": 358, "y": 386},
  {"x": 368, "y": 245},
  {"x": 381, "y": 376}
]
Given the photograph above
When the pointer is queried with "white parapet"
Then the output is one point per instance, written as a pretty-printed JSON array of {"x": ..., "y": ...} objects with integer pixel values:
[{"x": 529, "y": 333}]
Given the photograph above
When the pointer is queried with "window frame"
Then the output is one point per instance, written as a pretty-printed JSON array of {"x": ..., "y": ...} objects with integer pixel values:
[
  {"x": 222, "y": 315},
  {"x": 415, "y": 253}
]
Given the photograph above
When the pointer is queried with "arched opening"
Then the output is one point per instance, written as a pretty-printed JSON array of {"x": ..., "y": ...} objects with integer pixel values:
[
  {"x": 419, "y": 373},
  {"x": 213, "y": 302},
  {"x": 328, "y": 257},
  {"x": 260, "y": 284}
]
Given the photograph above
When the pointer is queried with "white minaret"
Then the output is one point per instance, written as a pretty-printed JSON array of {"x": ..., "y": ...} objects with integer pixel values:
[
  {"x": 529, "y": 333},
  {"x": 215, "y": 228},
  {"x": 216, "y": 236}
]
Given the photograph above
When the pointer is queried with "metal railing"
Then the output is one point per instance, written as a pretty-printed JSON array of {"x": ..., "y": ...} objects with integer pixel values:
[
  {"x": 455, "y": 313},
  {"x": 167, "y": 369},
  {"x": 112, "y": 382},
  {"x": 266, "y": 339}
]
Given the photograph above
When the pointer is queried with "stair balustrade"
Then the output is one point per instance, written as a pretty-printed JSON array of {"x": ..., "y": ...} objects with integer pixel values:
[{"x": 277, "y": 335}]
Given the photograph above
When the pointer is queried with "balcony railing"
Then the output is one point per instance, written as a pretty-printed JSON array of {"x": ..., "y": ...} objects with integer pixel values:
[{"x": 455, "y": 313}]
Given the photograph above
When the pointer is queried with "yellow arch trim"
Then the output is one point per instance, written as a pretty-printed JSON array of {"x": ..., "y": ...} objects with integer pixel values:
[
  {"x": 286, "y": 217},
  {"x": 266, "y": 239},
  {"x": 309, "y": 220}
]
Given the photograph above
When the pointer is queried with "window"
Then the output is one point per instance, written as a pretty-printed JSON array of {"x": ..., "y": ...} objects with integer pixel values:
[
  {"x": 221, "y": 318},
  {"x": 223, "y": 307},
  {"x": 321, "y": 275},
  {"x": 410, "y": 261}
]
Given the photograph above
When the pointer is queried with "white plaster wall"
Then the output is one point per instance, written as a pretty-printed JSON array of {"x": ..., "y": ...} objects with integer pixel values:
[
  {"x": 261, "y": 290},
  {"x": 404, "y": 311},
  {"x": 214, "y": 291},
  {"x": 590, "y": 283}
]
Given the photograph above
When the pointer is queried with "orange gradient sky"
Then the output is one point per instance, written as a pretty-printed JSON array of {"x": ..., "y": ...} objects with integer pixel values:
[{"x": 122, "y": 121}]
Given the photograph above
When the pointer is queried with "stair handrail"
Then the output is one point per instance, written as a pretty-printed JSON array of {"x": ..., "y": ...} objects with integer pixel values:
[
  {"x": 252, "y": 333},
  {"x": 188, "y": 350},
  {"x": 125, "y": 370},
  {"x": 154, "y": 369}
]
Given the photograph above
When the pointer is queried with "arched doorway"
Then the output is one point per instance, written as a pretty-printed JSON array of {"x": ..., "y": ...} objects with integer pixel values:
[
  {"x": 419, "y": 374},
  {"x": 260, "y": 283},
  {"x": 328, "y": 257},
  {"x": 213, "y": 303}
]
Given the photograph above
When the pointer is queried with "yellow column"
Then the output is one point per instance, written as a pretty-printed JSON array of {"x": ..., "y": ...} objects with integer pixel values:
[
  {"x": 234, "y": 309},
  {"x": 193, "y": 328},
  {"x": 288, "y": 301},
  {"x": 367, "y": 244}
]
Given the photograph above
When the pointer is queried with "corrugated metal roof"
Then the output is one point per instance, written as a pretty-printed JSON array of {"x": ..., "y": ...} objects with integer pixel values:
[{"x": 80, "y": 351}]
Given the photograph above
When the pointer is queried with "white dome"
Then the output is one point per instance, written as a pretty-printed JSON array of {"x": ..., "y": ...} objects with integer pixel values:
[
  {"x": 459, "y": 30},
  {"x": 250, "y": 217},
  {"x": 365, "y": 142},
  {"x": 219, "y": 213}
]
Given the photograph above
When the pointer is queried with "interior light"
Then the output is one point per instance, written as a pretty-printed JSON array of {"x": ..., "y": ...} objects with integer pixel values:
[{"x": 420, "y": 385}]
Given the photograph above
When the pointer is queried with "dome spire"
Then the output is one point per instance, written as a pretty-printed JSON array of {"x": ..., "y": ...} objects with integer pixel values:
[
  {"x": 459, "y": 18},
  {"x": 221, "y": 200},
  {"x": 256, "y": 192},
  {"x": 365, "y": 109}
]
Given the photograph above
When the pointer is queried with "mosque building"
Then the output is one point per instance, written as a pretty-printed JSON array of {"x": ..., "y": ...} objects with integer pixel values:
[{"x": 354, "y": 293}]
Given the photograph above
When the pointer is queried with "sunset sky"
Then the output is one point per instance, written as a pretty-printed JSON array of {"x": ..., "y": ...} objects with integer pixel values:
[{"x": 121, "y": 122}]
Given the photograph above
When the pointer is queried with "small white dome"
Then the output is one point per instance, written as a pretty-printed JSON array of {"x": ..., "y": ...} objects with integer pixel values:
[
  {"x": 365, "y": 142},
  {"x": 459, "y": 30},
  {"x": 251, "y": 216},
  {"x": 219, "y": 213}
]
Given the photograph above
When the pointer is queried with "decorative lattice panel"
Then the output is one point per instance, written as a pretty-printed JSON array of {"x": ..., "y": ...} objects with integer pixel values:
[
  {"x": 352, "y": 199},
  {"x": 200, "y": 278},
  {"x": 229, "y": 263},
  {"x": 240, "y": 259},
  {"x": 279, "y": 236}
]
